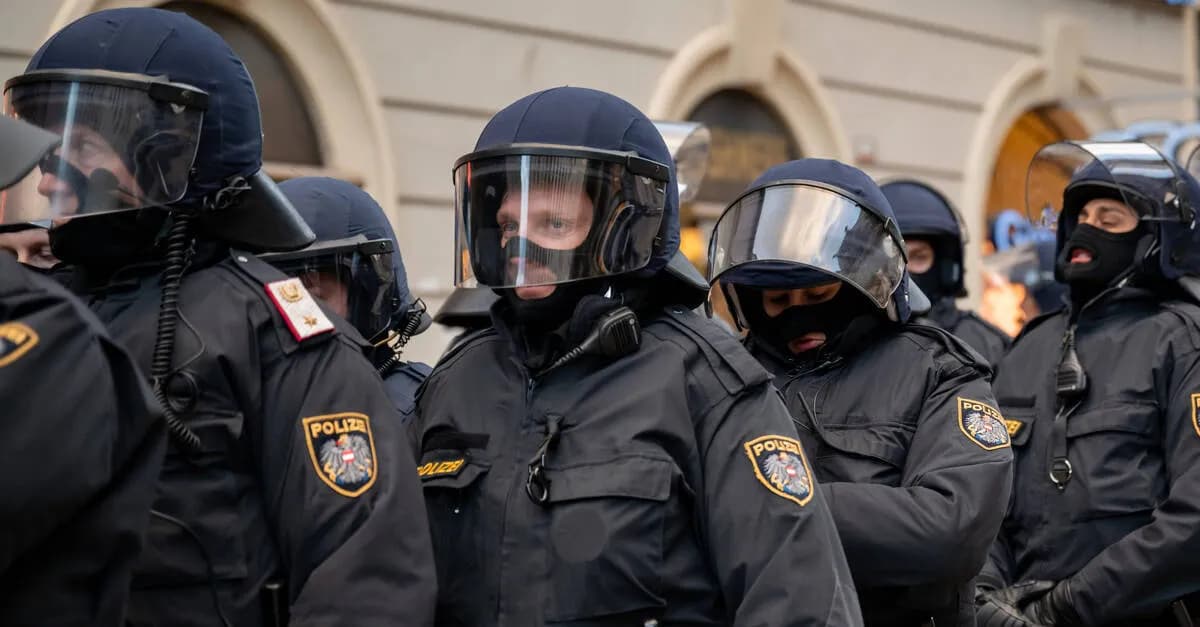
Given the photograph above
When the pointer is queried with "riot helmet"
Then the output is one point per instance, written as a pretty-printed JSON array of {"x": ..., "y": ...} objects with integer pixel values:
[
  {"x": 925, "y": 214},
  {"x": 355, "y": 265},
  {"x": 565, "y": 185},
  {"x": 811, "y": 221},
  {"x": 810, "y": 257},
  {"x": 156, "y": 113},
  {"x": 1140, "y": 205}
]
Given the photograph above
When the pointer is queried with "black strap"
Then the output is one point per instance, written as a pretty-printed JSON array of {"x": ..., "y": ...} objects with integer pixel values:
[{"x": 1060, "y": 466}]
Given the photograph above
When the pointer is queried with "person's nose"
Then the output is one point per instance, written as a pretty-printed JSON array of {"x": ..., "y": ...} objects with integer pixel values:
[{"x": 50, "y": 185}]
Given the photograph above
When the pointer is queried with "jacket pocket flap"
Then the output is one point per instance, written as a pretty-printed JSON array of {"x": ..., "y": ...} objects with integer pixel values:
[
  {"x": 630, "y": 477},
  {"x": 1125, "y": 418}
]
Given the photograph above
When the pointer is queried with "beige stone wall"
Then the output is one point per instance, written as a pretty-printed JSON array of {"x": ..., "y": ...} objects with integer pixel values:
[{"x": 925, "y": 88}]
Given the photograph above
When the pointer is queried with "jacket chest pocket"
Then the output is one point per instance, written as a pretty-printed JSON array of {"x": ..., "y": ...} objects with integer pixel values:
[
  {"x": 203, "y": 517},
  {"x": 871, "y": 453},
  {"x": 452, "y": 474},
  {"x": 1116, "y": 459},
  {"x": 605, "y": 549}
]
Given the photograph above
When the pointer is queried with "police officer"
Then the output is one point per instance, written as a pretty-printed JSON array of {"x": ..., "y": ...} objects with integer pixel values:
[
  {"x": 286, "y": 488},
  {"x": 907, "y": 444},
  {"x": 934, "y": 237},
  {"x": 355, "y": 268},
  {"x": 83, "y": 441},
  {"x": 1102, "y": 400},
  {"x": 602, "y": 455}
]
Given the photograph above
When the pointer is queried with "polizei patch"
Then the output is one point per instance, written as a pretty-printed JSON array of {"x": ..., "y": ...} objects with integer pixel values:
[
  {"x": 442, "y": 468},
  {"x": 1014, "y": 427},
  {"x": 1195, "y": 410},
  {"x": 15, "y": 340},
  {"x": 780, "y": 464},
  {"x": 342, "y": 451},
  {"x": 983, "y": 424}
]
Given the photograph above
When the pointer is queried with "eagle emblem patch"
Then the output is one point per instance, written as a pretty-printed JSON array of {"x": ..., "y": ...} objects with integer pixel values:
[
  {"x": 303, "y": 315},
  {"x": 15, "y": 340},
  {"x": 342, "y": 451},
  {"x": 779, "y": 463},
  {"x": 1195, "y": 409},
  {"x": 982, "y": 424}
]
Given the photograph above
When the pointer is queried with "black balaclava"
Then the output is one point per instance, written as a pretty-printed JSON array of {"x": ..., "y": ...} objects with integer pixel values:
[
  {"x": 1113, "y": 255},
  {"x": 840, "y": 319},
  {"x": 546, "y": 315},
  {"x": 938, "y": 282}
]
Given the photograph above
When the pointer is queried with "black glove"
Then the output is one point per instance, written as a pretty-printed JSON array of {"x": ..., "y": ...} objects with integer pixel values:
[
  {"x": 1003, "y": 608},
  {"x": 1029, "y": 604},
  {"x": 985, "y": 585},
  {"x": 1054, "y": 608},
  {"x": 1022, "y": 594}
]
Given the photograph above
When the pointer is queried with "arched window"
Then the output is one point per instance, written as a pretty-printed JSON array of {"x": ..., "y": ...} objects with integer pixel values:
[{"x": 290, "y": 138}]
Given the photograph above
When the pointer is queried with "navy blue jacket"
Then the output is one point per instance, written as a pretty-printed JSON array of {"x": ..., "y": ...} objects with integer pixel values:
[
  {"x": 270, "y": 497},
  {"x": 1126, "y": 529},
  {"x": 659, "y": 507},
  {"x": 915, "y": 463},
  {"x": 82, "y": 449}
]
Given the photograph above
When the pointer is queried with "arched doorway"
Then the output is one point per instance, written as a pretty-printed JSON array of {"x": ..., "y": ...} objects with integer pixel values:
[
  {"x": 1033, "y": 129},
  {"x": 748, "y": 136},
  {"x": 1006, "y": 302}
]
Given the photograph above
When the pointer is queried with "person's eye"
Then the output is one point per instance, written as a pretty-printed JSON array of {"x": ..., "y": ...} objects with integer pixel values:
[
  {"x": 509, "y": 227},
  {"x": 557, "y": 223},
  {"x": 89, "y": 149}
]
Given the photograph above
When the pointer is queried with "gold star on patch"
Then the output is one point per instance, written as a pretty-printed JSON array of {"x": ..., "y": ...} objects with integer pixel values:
[{"x": 310, "y": 321}]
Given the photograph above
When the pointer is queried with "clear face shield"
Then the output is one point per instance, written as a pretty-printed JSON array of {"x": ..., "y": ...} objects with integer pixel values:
[
  {"x": 1193, "y": 160},
  {"x": 353, "y": 276},
  {"x": 690, "y": 144},
  {"x": 804, "y": 224},
  {"x": 128, "y": 142},
  {"x": 1066, "y": 176},
  {"x": 542, "y": 215}
]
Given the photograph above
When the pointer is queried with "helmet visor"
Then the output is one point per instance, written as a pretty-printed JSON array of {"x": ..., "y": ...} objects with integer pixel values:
[
  {"x": 1064, "y": 176},
  {"x": 126, "y": 144},
  {"x": 542, "y": 216},
  {"x": 800, "y": 225},
  {"x": 353, "y": 276}
]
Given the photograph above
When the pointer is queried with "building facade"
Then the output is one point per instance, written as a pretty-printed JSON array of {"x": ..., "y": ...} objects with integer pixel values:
[{"x": 388, "y": 93}]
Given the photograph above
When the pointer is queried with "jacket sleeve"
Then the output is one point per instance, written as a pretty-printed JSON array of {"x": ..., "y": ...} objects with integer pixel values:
[
  {"x": 989, "y": 341},
  {"x": 938, "y": 524},
  {"x": 997, "y": 570},
  {"x": 85, "y": 439},
  {"x": 1152, "y": 566},
  {"x": 775, "y": 551},
  {"x": 343, "y": 492}
]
